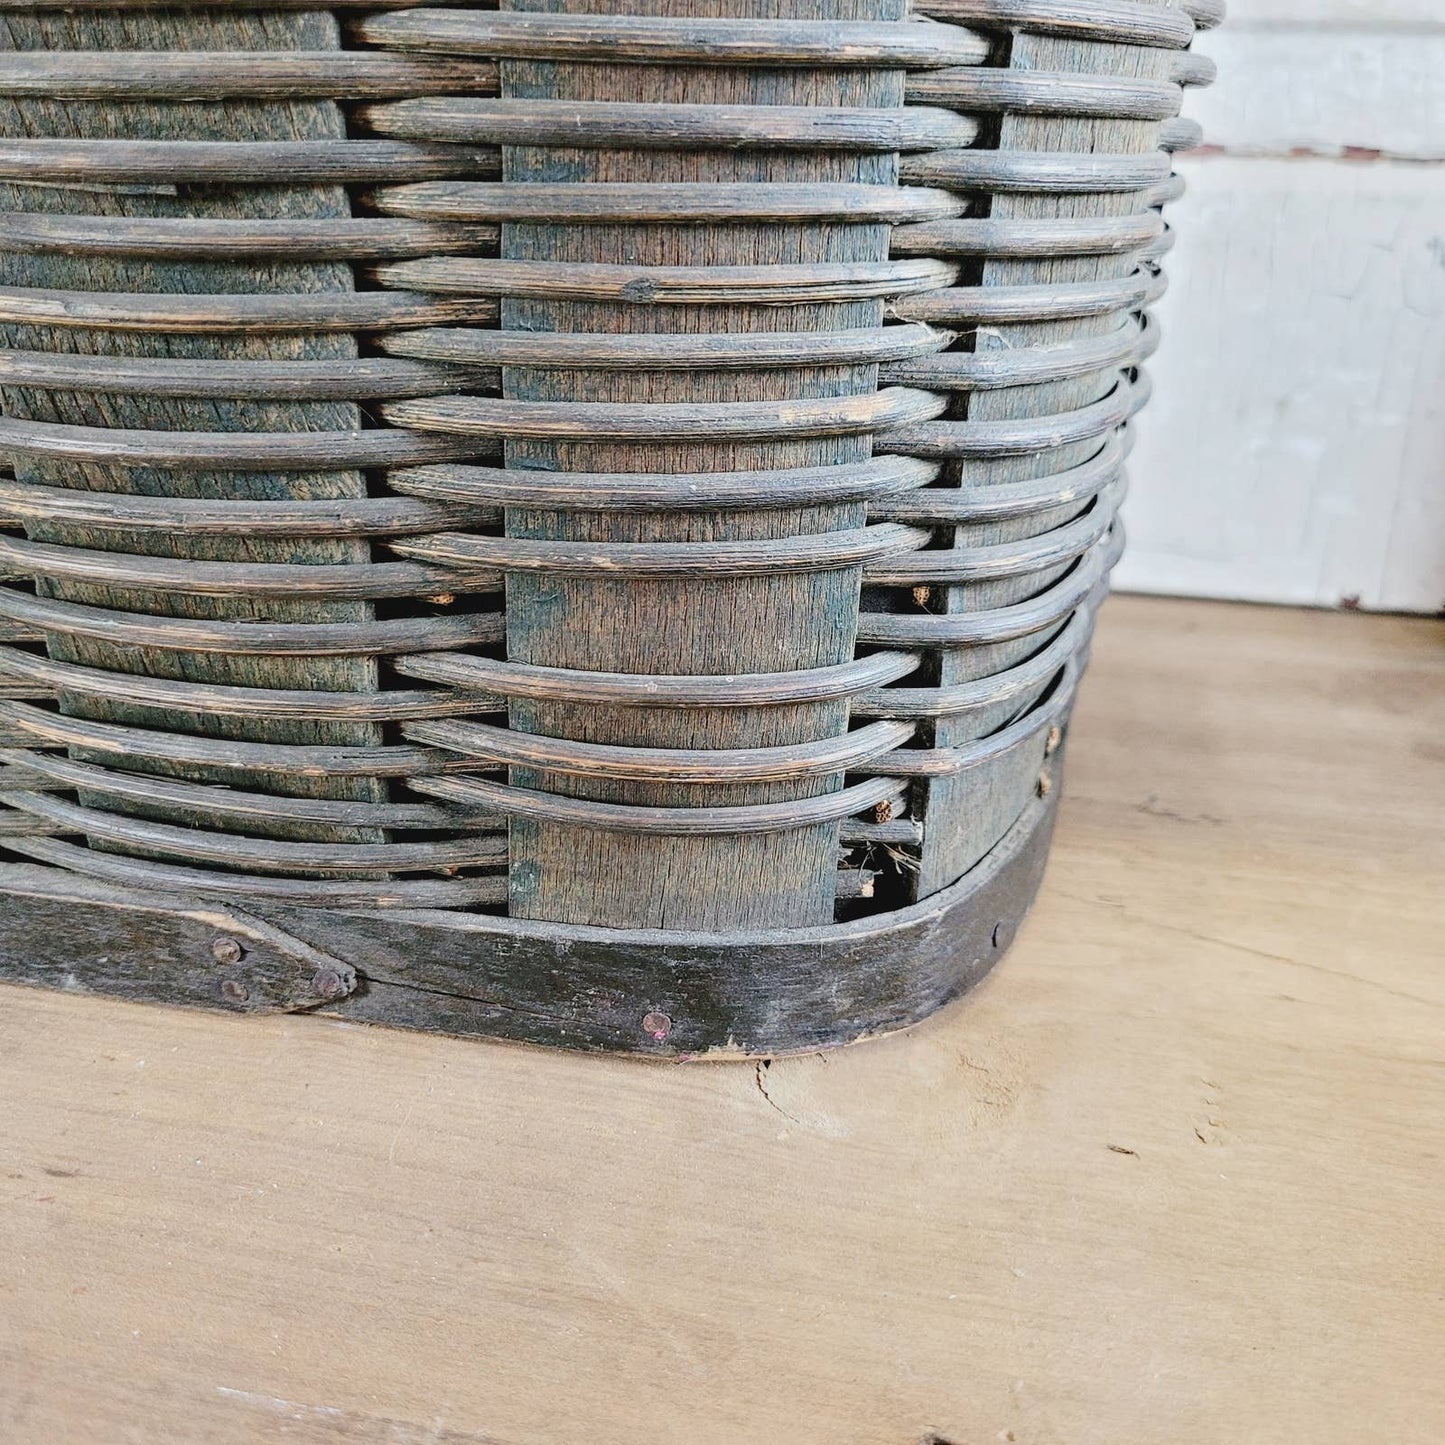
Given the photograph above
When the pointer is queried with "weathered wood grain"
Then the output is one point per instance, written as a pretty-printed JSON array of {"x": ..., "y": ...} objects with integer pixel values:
[{"x": 642, "y": 37}]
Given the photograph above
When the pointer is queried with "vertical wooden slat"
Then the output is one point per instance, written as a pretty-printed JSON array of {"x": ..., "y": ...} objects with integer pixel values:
[
  {"x": 762, "y": 624},
  {"x": 966, "y": 815}
]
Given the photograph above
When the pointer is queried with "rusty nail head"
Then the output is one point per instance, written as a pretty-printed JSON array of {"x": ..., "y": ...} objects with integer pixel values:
[
  {"x": 234, "y": 992},
  {"x": 227, "y": 950},
  {"x": 327, "y": 983},
  {"x": 657, "y": 1024},
  {"x": 1056, "y": 736}
]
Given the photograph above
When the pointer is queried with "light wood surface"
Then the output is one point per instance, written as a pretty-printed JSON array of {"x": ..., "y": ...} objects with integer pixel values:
[{"x": 1172, "y": 1176}]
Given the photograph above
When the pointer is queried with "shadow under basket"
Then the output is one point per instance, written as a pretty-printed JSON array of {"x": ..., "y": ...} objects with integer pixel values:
[{"x": 581, "y": 528}]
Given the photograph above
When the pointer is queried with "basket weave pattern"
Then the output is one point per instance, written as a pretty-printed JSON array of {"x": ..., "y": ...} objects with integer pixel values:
[{"x": 635, "y": 470}]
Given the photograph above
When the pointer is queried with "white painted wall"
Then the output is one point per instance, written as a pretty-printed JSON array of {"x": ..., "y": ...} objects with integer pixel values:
[{"x": 1295, "y": 449}]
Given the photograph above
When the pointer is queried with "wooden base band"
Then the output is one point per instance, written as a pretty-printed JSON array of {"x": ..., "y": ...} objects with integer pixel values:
[{"x": 665, "y": 995}]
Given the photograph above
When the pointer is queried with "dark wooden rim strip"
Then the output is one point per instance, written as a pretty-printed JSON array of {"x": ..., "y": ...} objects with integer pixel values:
[
  {"x": 667, "y": 285},
  {"x": 215, "y": 700},
  {"x": 238, "y": 74},
  {"x": 814, "y": 552},
  {"x": 1042, "y": 92},
  {"x": 670, "y": 350},
  {"x": 990, "y": 502},
  {"x": 619, "y": 689},
  {"x": 266, "y": 854},
  {"x": 1017, "y": 437},
  {"x": 1026, "y": 365},
  {"x": 369, "y": 378},
  {"x": 684, "y": 203},
  {"x": 661, "y": 421},
  {"x": 671, "y": 765},
  {"x": 676, "y": 822},
  {"x": 285, "y": 760},
  {"x": 1057, "y": 172},
  {"x": 324, "y": 893},
  {"x": 208, "y": 801},
  {"x": 982, "y": 692},
  {"x": 644, "y": 39},
  {"x": 377, "y": 638},
  {"x": 995, "y": 624},
  {"x": 341, "y": 517},
  {"x": 338, "y": 239},
  {"x": 966, "y": 305},
  {"x": 1003, "y": 559},
  {"x": 949, "y": 762},
  {"x": 596, "y": 124},
  {"x": 1180, "y": 134},
  {"x": 1052, "y": 236},
  {"x": 1124, "y": 22},
  {"x": 316, "y": 311},
  {"x": 242, "y": 451},
  {"x": 649, "y": 491},
  {"x": 334, "y": 581},
  {"x": 221, "y": 163}
]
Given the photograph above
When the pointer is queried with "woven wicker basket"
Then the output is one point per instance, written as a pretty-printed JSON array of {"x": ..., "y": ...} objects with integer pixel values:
[{"x": 581, "y": 527}]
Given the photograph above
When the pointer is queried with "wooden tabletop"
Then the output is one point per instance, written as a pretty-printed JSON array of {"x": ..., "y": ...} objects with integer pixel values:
[{"x": 1172, "y": 1175}]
